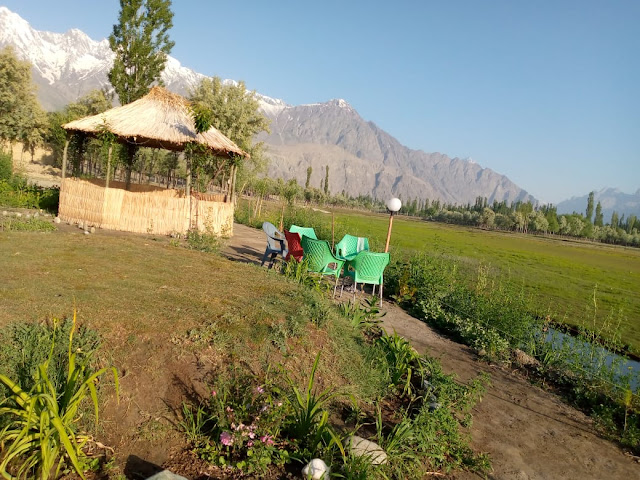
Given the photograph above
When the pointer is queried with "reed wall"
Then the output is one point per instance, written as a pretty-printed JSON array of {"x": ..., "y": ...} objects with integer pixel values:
[{"x": 158, "y": 211}]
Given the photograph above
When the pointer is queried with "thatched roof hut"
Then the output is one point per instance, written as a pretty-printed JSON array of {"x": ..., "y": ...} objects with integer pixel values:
[{"x": 160, "y": 119}]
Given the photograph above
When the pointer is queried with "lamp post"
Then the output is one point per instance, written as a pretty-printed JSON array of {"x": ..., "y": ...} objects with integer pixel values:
[{"x": 393, "y": 206}]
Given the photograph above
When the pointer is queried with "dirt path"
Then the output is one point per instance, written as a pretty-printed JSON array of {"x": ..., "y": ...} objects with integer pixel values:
[{"x": 528, "y": 433}]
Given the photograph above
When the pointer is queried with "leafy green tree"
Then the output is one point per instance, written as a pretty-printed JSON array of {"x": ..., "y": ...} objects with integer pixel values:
[
  {"x": 141, "y": 43},
  {"x": 614, "y": 219},
  {"x": 235, "y": 113},
  {"x": 20, "y": 112},
  {"x": 488, "y": 217},
  {"x": 538, "y": 222},
  {"x": 599, "y": 220},
  {"x": 590, "y": 206},
  {"x": 309, "y": 170},
  {"x": 94, "y": 102}
]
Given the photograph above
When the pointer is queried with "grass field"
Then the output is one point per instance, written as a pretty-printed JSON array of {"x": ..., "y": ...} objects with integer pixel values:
[{"x": 560, "y": 275}]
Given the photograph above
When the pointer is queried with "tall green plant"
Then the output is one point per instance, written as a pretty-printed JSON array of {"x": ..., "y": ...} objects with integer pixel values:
[
  {"x": 40, "y": 436},
  {"x": 309, "y": 418}
]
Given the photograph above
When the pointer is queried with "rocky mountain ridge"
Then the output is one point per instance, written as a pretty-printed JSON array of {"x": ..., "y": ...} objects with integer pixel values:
[
  {"x": 611, "y": 199},
  {"x": 362, "y": 158}
]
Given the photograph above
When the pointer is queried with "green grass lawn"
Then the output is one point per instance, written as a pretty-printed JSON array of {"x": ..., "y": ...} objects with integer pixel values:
[
  {"x": 558, "y": 274},
  {"x": 144, "y": 295}
]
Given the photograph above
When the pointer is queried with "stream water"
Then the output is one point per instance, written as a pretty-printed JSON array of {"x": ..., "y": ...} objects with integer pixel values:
[{"x": 591, "y": 357}]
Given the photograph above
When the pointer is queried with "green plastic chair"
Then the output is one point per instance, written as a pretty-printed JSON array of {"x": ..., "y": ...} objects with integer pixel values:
[
  {"x": 304, "y": 231},
  {"x": 366, "y": 267},
  {"x": 350, "y": 246},
  {"x": 317, "y": 254}
]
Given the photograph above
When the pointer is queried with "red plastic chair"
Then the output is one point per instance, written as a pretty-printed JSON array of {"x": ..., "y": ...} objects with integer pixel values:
[{"x": 294, "y": 246}]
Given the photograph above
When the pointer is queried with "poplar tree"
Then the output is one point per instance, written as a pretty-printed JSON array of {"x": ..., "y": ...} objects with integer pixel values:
[
  {"x": 141, "y": 44},
  {"x": 599, "y": 220},
  {"x": 590, "y": 206},
  {"x": 326, "y": 182},
  {"x": 309, "y": 170}
]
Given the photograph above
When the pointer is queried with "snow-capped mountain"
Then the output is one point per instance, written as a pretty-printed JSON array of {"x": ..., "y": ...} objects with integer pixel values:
[
  {"x": 68, "y": 65},
  {"x": 363, "y": 159}
]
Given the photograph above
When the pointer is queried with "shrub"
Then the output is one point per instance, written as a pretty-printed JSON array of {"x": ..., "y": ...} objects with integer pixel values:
[
  {"x": 6, "y": 166},
  {"x": 203, "y": 242},
  {"x": 40, "y": 433},
  {"x": 26, "y": 225},
  {"x": 25, "y": 346}
]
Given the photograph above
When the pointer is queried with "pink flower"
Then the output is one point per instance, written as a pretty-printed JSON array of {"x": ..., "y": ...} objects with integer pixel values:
[
  {"x": 259, "y": 389},
  {"x": 267, "y": 439},
  {"x": 213, "y": 393},
  {"x": 226, "y": 439},
  {"x": 229, "y": 409},
  {"x": 252, "y": 435},
  {"x": 249, "y": 444}
]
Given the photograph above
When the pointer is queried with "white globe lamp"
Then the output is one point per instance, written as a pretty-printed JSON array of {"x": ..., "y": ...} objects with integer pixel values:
[{"x": 393, "y": 205}]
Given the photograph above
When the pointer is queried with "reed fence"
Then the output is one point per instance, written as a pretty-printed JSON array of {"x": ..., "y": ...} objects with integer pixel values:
[{"x": 145, "y": 209}]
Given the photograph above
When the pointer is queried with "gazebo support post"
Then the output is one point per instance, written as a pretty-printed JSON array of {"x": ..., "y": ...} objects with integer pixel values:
[
  {"x": 188, "y": 189},
  {"x": 108, "y": 166},
  {"x": 64, "y": 157}
]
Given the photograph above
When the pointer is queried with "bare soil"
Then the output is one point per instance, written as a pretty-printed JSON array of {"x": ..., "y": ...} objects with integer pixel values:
[{"x": 528, "y": 432}]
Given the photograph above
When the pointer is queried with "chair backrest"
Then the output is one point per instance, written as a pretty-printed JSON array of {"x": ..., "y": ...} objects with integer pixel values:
[
  {"x": 317, "y": 253},
  {"x": 350, "y": 245},
  {"x": 293, "y": 244},
  {"x": 274, "y": 237},
  {"x": 304, "y": 231},
  {"x": 369, "y": 267}
]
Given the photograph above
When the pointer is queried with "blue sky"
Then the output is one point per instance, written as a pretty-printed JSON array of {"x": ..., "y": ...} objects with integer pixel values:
[{"x": 547, "y": 92}]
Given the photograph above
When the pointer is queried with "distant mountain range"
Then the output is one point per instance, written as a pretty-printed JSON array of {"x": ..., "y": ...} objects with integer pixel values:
[
  {"x": 362, "y": 158},
  {"x": 611, "y": 199}
]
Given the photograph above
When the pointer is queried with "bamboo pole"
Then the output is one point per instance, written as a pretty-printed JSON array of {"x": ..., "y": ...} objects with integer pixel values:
[
  {"x": 64, "y": 158},
  {"x": 233, "y": 182},
  {"x": 282, "y": 218},
  {"x": 386, "y": 246},
  {"x": 188, "y": 189},
  {"x": 108, "y": 166},
  {"x": 333, "y": 235}
]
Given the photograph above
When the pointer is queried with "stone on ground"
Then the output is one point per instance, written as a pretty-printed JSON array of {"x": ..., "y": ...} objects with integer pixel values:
[
  {"x": 316, "y": 469},
  {"x": 166, "y": 475},
  {"x": 361, "y": 447}
]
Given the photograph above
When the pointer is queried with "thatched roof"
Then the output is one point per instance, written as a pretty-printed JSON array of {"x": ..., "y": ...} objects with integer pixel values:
[{"x": 160, "y": 119}]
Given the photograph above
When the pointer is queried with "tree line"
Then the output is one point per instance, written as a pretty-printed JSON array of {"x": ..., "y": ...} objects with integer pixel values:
[{"x": 525, "y": 217}]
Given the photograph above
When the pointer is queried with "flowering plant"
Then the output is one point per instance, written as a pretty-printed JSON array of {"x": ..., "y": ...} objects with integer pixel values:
[{"x": 243, "y": 426}]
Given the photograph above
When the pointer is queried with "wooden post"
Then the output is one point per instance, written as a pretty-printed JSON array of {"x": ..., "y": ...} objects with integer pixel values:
[
  {"x": 333, "y": 235},
  {"x": 282, "y": 218},
  {"x": 64, "y": 158},
  {"x": 233, "y": 182},
  {"x": 188, "y": 189},
  {"x": 386, "y": 247},
  {"x": 108, "y": 166}
]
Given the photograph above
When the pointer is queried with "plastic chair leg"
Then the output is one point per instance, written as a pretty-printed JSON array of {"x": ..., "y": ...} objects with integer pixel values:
[{"x": 265, "y": 256}]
